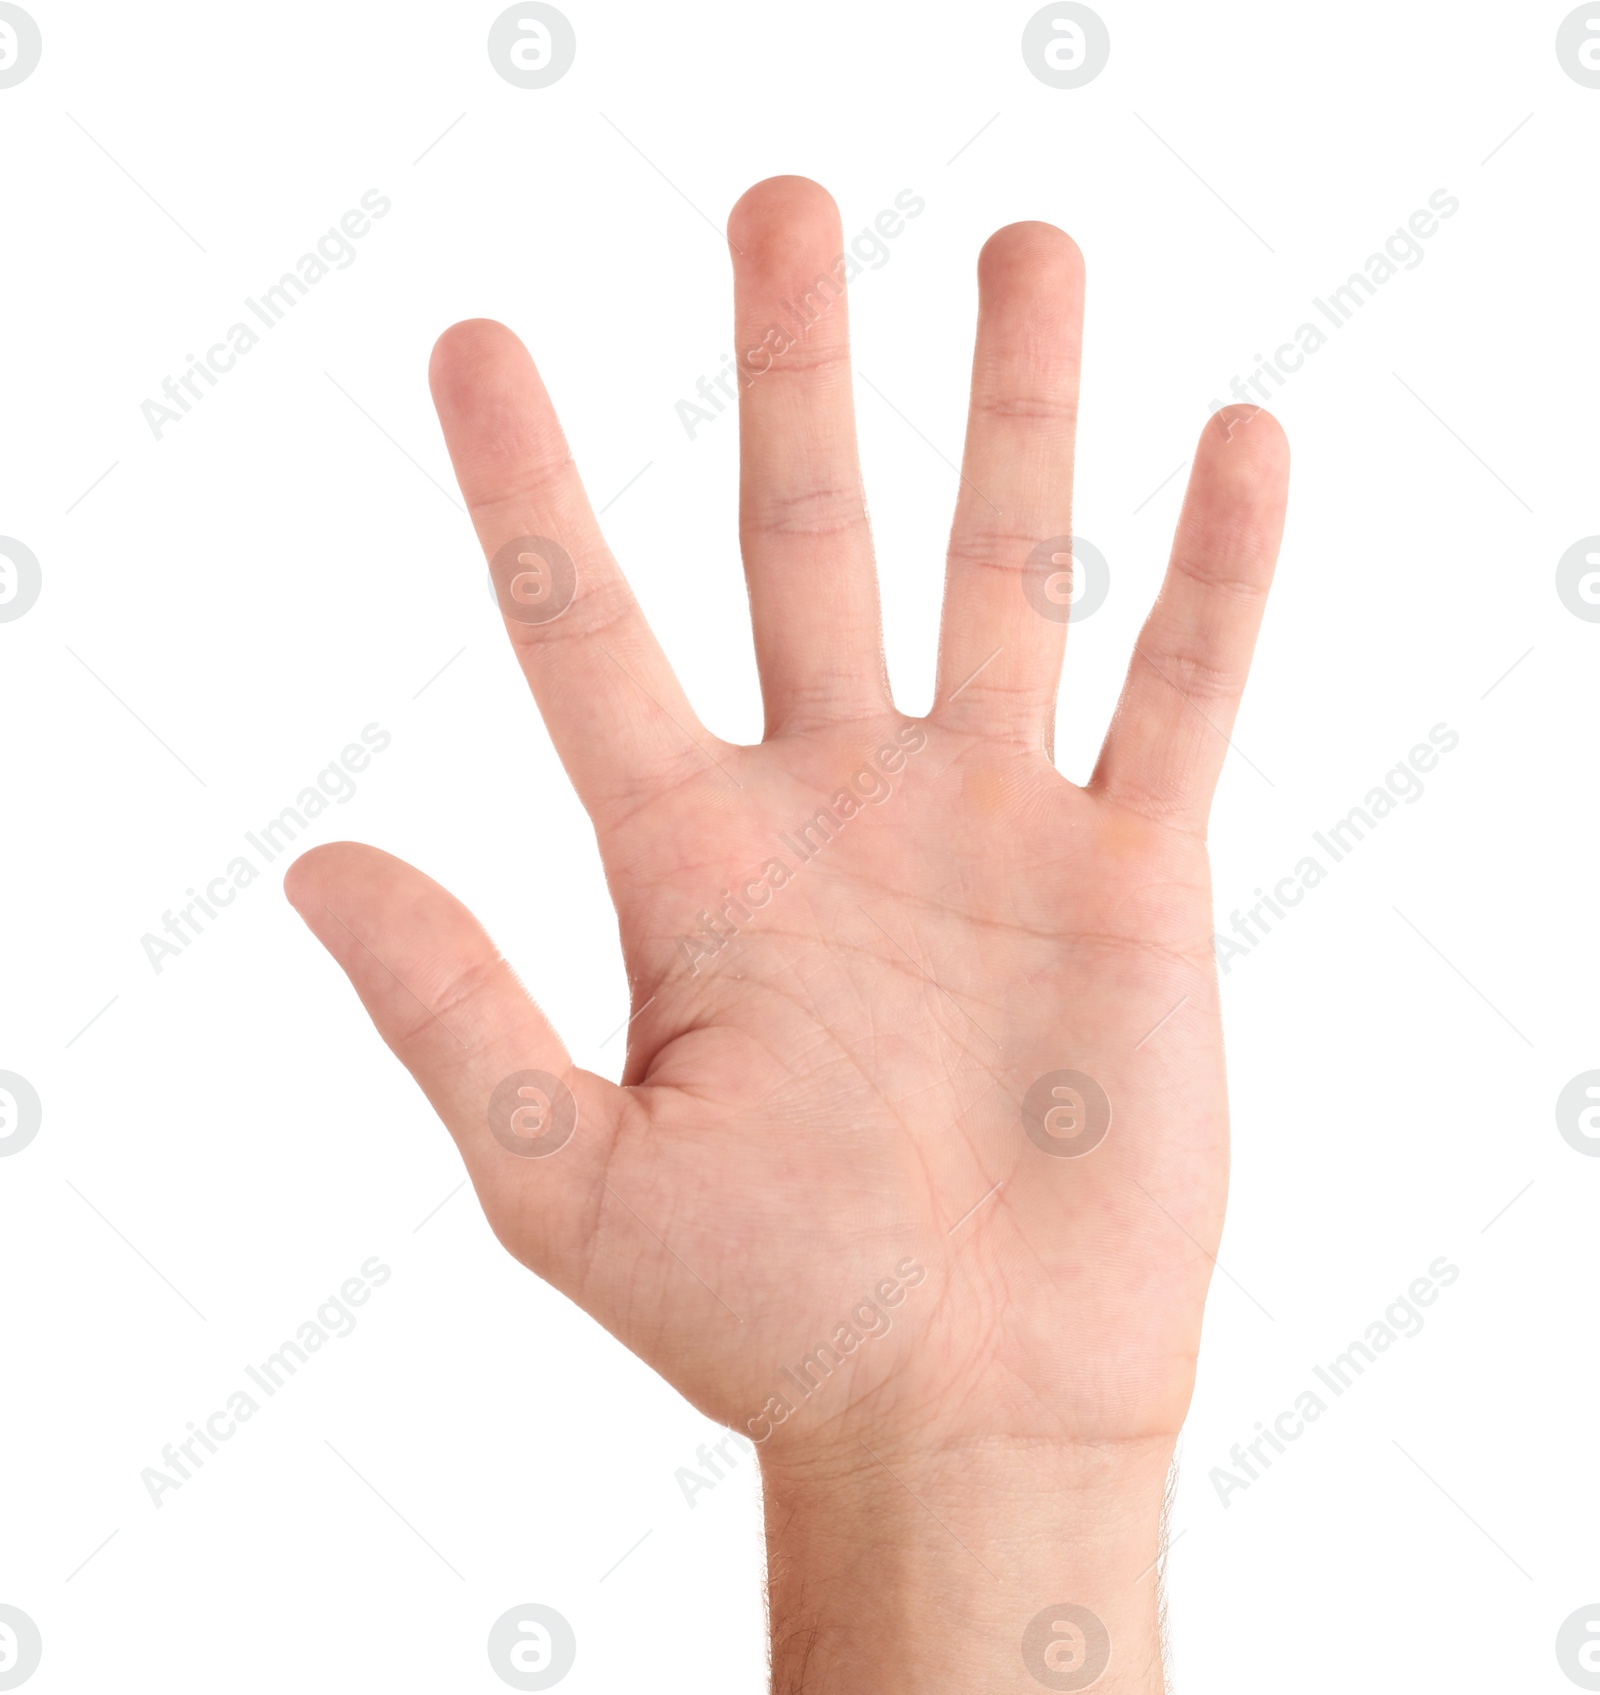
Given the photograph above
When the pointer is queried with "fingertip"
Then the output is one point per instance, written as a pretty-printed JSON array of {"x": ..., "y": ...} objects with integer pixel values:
[
  {"x": 341, "y": 878},
  {"x": 466, "y": 352},
  {"x": 1031, "y": 254},
  {"x": 780, "y": 217},
  {"x": 493, "y": 407},
  {"x": 300, "y": 880},
  {"x": 1250, "y": 432},
  {"x": 1031, "y": 289}
]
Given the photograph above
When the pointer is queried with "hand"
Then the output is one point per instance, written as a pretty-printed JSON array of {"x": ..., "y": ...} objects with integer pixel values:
[{"x": 832, "y": 1142}]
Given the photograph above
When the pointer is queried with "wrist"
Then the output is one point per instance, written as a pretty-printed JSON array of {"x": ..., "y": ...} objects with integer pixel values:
[{"x": 995, "y": 1565}]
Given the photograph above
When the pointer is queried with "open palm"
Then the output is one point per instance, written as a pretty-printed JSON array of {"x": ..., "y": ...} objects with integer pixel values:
[{"x": 923, "y": 1125}]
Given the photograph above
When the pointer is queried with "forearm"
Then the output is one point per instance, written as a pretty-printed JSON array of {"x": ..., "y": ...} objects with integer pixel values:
[{"x": 993, "y": 1569}]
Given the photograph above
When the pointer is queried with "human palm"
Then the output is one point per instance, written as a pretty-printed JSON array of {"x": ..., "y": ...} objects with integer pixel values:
[{"x": 922, "y": 1130}]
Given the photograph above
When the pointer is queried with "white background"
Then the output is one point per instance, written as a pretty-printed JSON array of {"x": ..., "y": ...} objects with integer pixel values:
[{"x": 290, "y": 563}]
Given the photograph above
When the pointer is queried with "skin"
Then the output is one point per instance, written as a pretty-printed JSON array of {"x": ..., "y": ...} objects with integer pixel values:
[{"x": 833, "y": 1094}]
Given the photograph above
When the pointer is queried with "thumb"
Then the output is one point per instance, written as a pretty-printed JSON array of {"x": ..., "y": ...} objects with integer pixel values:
[{"x": 534, "y": 1130}]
